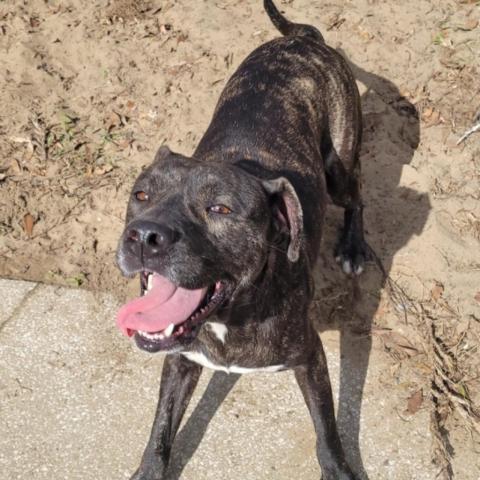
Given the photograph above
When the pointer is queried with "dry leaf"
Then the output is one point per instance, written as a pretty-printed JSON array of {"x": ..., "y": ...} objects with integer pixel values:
[
  {"x": 449, "y": 59},
  {"x": 125, "y": 143},
  {"x": 470, "y": 24},
  {"x": 415, "y": 402},
  {"x": 28, "y": 223},
  {"x": 367, "y": 36},
  {"x": 182, "y": 38},
  {"x": 427, "y": 113},
  {"x": 437, "y": 291},
  {"x": 430, "y": 116},
  {"x": 402, "y": 342},
  {"x": 112, "y": 121},
  {"x": 396, "y": 343},
  {"x": 103, "y": 169},
  {"x": 434, "y": 118}
]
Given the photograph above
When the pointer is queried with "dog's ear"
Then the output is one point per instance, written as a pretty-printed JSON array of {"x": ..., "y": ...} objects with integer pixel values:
[
  {"x": 162, "y": 153},
  {"x": 288, "y": 212}
]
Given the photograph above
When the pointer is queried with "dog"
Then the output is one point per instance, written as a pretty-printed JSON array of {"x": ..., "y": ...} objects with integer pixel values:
[{"x": 225, "y": 241}]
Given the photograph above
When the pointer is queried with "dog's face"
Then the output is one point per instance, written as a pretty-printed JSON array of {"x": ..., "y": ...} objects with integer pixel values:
[{"x": 198, "y": 234}]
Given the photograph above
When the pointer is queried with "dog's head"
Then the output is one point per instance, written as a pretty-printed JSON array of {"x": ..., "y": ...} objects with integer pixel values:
[{"x": 198, "y": 234}]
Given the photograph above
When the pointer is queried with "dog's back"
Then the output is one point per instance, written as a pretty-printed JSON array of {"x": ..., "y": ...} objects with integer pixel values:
[
  {"x": 291, "y": 83},
  {"x": 290, "y": 104}
]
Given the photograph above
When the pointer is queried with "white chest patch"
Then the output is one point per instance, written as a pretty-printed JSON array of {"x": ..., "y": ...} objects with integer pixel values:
[
  {"x": 219, "y": 329},
  {"x": 201, "y": 359}
]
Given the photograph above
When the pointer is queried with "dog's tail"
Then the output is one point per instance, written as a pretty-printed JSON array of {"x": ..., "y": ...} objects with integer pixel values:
[{"x": 288, "y": 28}]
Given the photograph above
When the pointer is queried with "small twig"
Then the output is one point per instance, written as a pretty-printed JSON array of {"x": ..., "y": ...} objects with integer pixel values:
[
  {"x": 469, "y": 132},
  {"x": 398, "y": 296}
]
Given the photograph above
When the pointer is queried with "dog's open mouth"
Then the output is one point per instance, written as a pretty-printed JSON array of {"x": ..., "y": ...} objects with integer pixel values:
[{"x": 167, "y": 313}]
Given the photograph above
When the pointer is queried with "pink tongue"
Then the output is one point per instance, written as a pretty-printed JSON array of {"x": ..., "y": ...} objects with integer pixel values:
[{"x": 164, "y": 304}]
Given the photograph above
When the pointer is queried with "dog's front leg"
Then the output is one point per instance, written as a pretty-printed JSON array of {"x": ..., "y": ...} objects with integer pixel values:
[
  {"x": 179, "y": 379},
  {"x": 314, "y": 383}
]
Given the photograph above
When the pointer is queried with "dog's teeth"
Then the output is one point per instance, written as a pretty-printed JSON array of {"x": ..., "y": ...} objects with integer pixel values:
[
  {"x": 149, "y": 281},
  {"x": 169, "y": 330},
  {"x": 152, "y": 336}
]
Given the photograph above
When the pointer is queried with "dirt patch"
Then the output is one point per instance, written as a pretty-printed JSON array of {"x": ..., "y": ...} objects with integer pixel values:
[{"x": 90, "y": 90}]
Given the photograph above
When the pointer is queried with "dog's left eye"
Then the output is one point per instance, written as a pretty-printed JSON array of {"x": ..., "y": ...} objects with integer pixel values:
[
  {"x": 141, "y": 196},
  {"x": 221, "y": 209}
]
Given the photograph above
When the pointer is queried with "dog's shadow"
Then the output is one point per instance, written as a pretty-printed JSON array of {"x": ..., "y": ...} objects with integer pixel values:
[{"x": 394, "y": 214}]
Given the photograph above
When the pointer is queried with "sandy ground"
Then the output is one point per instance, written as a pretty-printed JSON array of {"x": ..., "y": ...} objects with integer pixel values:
[{"x": 91, "y": 89}]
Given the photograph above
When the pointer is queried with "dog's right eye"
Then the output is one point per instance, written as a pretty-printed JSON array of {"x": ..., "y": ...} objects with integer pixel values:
[
  {"x": 221, "y": 209},
  {"x": 141, "y": 196}
]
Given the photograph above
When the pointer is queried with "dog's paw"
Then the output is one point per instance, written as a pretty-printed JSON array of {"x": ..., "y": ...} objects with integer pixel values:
[
  {"x": 147, "y": 475},
  {"x": 139, "y": 476},
  {"x": 343, "y": 475},
  {"x": 352, "y": 255}
]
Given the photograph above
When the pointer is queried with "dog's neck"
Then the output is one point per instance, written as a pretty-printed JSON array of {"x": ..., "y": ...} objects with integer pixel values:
[{"x": 272, "y": 292}]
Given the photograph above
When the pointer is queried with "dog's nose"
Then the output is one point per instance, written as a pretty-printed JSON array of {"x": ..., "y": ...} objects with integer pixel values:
[{"x": 155, "y": 238}]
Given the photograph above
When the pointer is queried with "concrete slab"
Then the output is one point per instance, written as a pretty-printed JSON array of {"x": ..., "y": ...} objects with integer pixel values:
[
  {"x": 12, "y": 293},
  {"x": 77, "y": 402}
]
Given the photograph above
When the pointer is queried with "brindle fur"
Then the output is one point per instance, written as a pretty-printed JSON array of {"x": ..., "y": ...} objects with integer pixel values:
[{"x": 290, "y": 111}]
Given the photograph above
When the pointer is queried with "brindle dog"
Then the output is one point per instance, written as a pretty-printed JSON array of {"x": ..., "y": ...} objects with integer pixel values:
[{"x": 225, "y": 241}]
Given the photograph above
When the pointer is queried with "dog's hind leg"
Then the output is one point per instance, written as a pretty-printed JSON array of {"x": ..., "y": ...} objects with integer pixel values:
[
  {"x": 345, "y": 191},
  {"x": 179, "y": 379}
]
